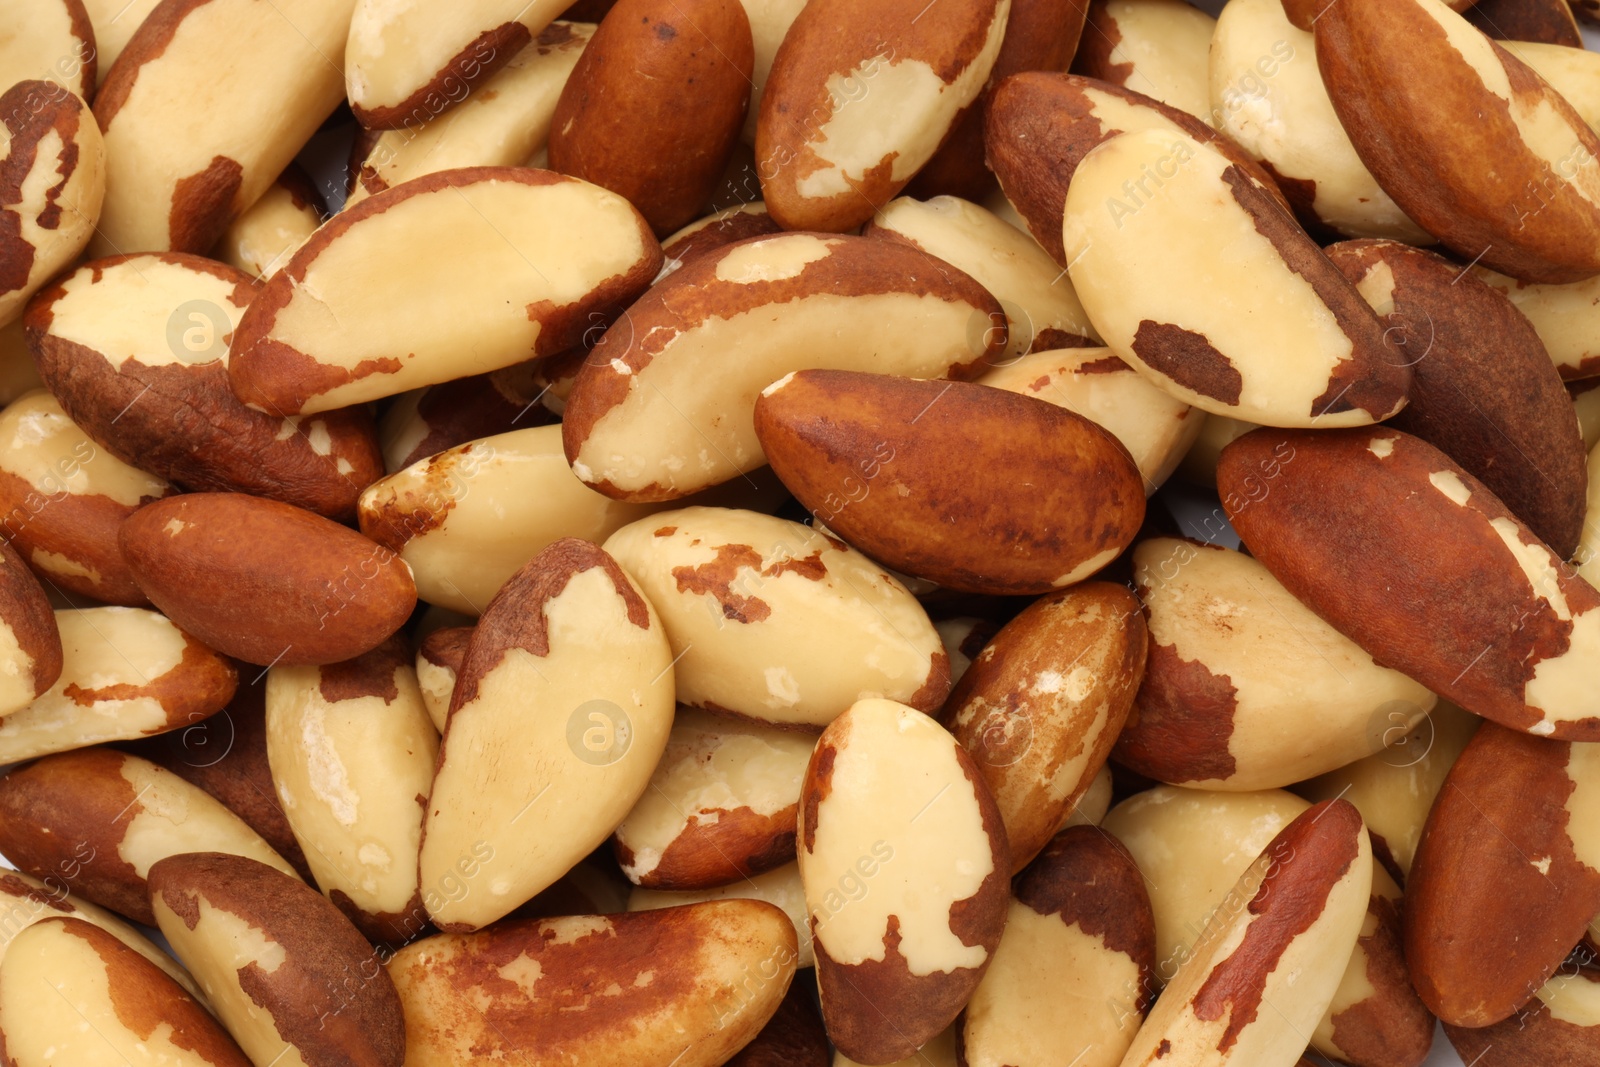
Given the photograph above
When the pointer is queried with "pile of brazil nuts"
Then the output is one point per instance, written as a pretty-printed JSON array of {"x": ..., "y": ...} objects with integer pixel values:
[{"x": 679, "y": 533}]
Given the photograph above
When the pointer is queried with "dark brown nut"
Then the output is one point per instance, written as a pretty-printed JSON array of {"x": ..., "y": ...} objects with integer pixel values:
[
  {"x": 715, "y": 231},
  {"x": 439, "y": 659},
  {"x": 655, "y": 104},
  {"x": 1072, "y": 978},
  {"x": 1507, "y": 876},
  {"x": 53, "y": 176},
  {"x": 64, "y": 498},
  {"x": 263, "y": 237},
  {"x": 1040, "y": 126},
  {"x": 533, "y": 993},
  {"x": 1426, "y": 99},
  {"x": 793, "y": 1037},
  {"x": 287, "y": 973},
  {"x": 99, "y": 819},
  {"x": 887, "y": 463},
  {"x": 442, "y": 416},
  {"x": 50, "y": 38},
  {"x": 30, "y": 642},
  {"x": 925, "y": 928},
  {"x": 1042, "y": 704},
  {"x": 264, "y": 582},
  {"x": 1542, "y": 21},
  {"x": 1156, "y": 47},
  {"x": 135, "y": 349},
  {"x": 1561, "y": 1025},
  {"x": 125, "y": 673},
  {"x": 551, "y": 258},
  {"x": 1483, "y": 389},
  {"x": 664, "y": 404},
  {"x": 1352, "y": 523},
  {"x": 721, "y": 805},
  {"x": 1246, "y": 688},
  {"x": 70, "y": 991},
  {"x": 826, "y": 161}
]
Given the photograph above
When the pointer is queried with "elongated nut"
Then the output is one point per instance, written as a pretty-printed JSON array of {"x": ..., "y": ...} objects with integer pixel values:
[
  {"x": 30, "y": 643},
  {"x": 924, "y": 928},
  {"x": 520, "y": 797},
  {"x": 1157, "y": 47},
  {"x": 50, "y": 39},
  {"x": 263, "y": 237},
  {"x": 780, "y": 887}
]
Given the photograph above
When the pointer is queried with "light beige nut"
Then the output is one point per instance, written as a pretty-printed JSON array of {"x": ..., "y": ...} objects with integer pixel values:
[
  {"x": 780, "y": 887},
  {"x": 30, "y": 643},
  {"x": 107, "y": 817},
  {"x": 1246, "y": 688},
  {"x": 49, "y": 39},
  {"x": 904, "y": 861},
  {"x": 72, "y": 993},
  {"x": 52, "y": 179},
  {"x": 1091, "y": 807},
  {"x": 1150, "y": 214},
  {"x": 178, "y": 193},
  {"x": 115, "y": 22},
  {"x": 467, "y": 519},
  {"x": 1574, "y": 72},
  {"x": 560, "y": 713},
  {"x": 664, "y": 405},
  {"x": 536, "y": 992},
  {"x": 533, "y": 258},
  {"x": 439, "y": 659},
  {"x": 1564, "y": 316},
  {"x": 125, "y": 673},
  {"x": 263, "y": 237},
  {"x": 64, "y": 497},
  {"x": 1070, "y": 982},
  {"x": 721, "y": 805},
  {"x": 405, "y": 63},
  {"x": 352, "y": 753},
  {"x": 1154, "y": 47},
  {"x": 1199, "y": 464},
  {"x": 503, "y": 122},
  {"x": 1586, "y": 400},
  {"x": 1155, "y": 428},
  {"x": 775, "y": 621},
  {"x": 285, "y": 972}
]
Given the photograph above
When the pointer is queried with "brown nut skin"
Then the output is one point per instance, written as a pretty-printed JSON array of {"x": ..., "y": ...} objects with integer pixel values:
[
  {"x": 1501, "y": 888},
  {"x": 888, "y": 464},
  {"x": 1534, "y": 1036},
  {"x": 327, "y": 997},
  {"x": 793, "y": 1037},
  {"x": 1355, "y": 523},
  {"x": 1544, "y": 21},
  {"x": 25, "y": 611},
  {"x": 1039, "y": 126},
  {"x": 453, "y": 413},
  {"x": 1422, "y": 118},
  {"x": 265, "y": 582},
  {"x": 1390, "y": 1026},
  {"x": 1042, "y": 704},
  {"x": 654, "y": 106},
  {"x": 715, "y": 231}
]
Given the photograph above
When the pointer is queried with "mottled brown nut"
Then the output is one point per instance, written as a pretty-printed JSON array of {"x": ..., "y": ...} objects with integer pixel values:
[
  {"x": 1043, "y": 703},
  {"x": 535, "y": 260},
  {"x": 826, "y": 158},
  {"x": 1355, "y": 523},
  {"x": 98, "y": 820},
  {"x": 264, "y": 582},
  {"x": 905, "y": 910},
  {"x": 135, "y": 349},
  {"x": 30, "y": 643},
  {"x": 1483, "y": 389},
  {"x": 1561, "y": 1025},
  {"x": 440, "y": 417},
  {"x": 692, "y": 985},
  {"x": 1542, "y": 21},
  {"x": 263, "y": 237},
  {"x": 178, "y": 193},
  {"x": 1071, "y": 980},
  {"x": 1155, "y": 47},
  {"x": 70, "y": 992},
  {"x": 287, "y": 974},
  {"x": 1426, "y": 99},
  {"x": 780, "y": 888},
  {"x": 1376, "y": 1018},
  {"x": 50, "y": 39},
  {"x": 793, "y": 1037},
  {"x": 888, "y": 463},
  {"x": 654, "y": 105},
  {"x": 53, "y": 176},
  {"x": 1507, "y": 876},
  {"x": 439, "y": 659}
]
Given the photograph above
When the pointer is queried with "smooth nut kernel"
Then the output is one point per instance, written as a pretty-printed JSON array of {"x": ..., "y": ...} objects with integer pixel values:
[
  {"x": 780, "y": 888},
  {"x": 439, "y": 659},
  {"x": 1157, "y": 47},
  {"x": 1572, "y": 70},
  {"x": 263, "y": 237},
  {"x": 115, "y": 22},
  {"x": 50, "y": 36}
]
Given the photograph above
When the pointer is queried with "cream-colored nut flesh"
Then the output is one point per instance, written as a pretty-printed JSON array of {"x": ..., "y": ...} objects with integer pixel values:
[
  {"x": 1394, "y": 789},
  {"x": 1155, "y": 428},
  {"x": 1588, "y": 556},
  {"x": 405, "y": 62},
  {"x": 268, "y": 232},
  {"x": 41, "y": 444},
  {"x": 1572, "y": 72},
  {"x": 1246, "y": 687},
  {"x": 501, "y": 123},
  {"x": 48, "y": 40},
  {"x": 1042, "y": 311},
  {"x": 52, "y": 180},
  {"x": 71, "y": 993},
  {"x": 1091, "y": 808},
  {"x": 1573, "y": 999},
  {"x": 126, "y": 673},
  {"x": 468, "y": 518},
  {"x": 560, "y": 714},
  {"x": 772, "y": 620},
  {"x": 375, "y": 302},
  {"x": 177, "y": 173},
  {"x": 352, "y": 752},
  {"x": 721, "y": 803},
  {"x": 115, "y": 22},
  {"x": 1154, "y": 47},
  {"x": 1199, "y": 464},
  {"x": 1267, "y": 94},
  {"x": 1259, "y": 979},
  {"x": 1154, "y": 221},
  {"x": 1356, "y": 987},
  {"x": 1566, "y": 318},
  {"x": 780, "y": 887},
  {"x": 769, "y": 23},
  {"x": 1586, "y": 399}
]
